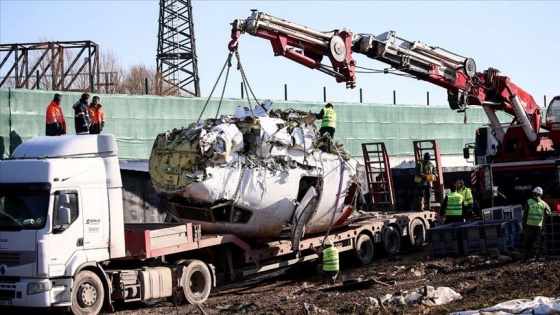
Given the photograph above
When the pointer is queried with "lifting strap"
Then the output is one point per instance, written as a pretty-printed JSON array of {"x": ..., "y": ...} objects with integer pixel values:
[{"x": 246, "y": 85}]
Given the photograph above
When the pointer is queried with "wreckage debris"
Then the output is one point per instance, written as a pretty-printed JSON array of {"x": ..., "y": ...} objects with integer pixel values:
[{"x": 246, "y": 174}]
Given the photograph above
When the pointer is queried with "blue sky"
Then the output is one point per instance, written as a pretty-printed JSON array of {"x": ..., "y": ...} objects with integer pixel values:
[{"x": 520, "y": 38}]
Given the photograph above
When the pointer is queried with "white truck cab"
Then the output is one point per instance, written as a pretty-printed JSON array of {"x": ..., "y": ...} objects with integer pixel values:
[{"x": 60, "y": 212}]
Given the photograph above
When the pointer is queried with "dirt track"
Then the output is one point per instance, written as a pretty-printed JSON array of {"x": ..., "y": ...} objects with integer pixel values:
[{"x": 481, "y": 280}]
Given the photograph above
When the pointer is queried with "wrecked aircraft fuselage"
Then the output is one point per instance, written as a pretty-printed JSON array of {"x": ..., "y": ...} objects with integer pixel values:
[{"x": 255, "y": 177}]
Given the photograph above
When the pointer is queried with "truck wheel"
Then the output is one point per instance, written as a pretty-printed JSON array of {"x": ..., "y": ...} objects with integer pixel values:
[
  {"x": 391, "y": 241},
  {"x": 364, "y": 249},
  {"x": 417, "y": 233},
  {"x": 196, "y": 281},
  {"x": 87, "y": 294}
]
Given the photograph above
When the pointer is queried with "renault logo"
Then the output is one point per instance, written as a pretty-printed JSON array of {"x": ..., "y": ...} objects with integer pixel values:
[{"x": 3, "y": 269}]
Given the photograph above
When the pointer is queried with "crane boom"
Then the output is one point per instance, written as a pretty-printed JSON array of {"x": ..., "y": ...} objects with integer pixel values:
[
  {"x": 301, "y": 44},
  {"x": 457, "y": 74}
]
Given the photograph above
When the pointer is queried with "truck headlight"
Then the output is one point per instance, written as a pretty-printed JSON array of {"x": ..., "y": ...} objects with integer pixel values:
[{"x": 38, "y": 287}]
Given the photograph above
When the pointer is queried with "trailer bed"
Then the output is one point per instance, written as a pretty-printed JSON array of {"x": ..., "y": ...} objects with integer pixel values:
[{"x": 150, "y": 240}]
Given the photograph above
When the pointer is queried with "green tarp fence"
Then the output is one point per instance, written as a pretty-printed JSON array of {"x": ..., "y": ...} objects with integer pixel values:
[{"x": 137, "y": 120}]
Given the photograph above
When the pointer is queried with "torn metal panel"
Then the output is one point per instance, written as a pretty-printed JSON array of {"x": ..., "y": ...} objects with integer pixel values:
[
  {"x": 303, "y": 213},
  {"x": 245, "y": 174}
]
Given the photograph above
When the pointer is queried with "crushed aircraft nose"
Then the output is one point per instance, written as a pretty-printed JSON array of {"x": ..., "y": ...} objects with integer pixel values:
[{"x": 246, "y": 175}]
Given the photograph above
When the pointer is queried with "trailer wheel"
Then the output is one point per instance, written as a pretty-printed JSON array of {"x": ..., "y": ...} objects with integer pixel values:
[
  {"x": 417, "y": 233},
  {"x": 391, "y": 241},
  {"x": 364, "y": 249},
  {"x": 87, "y": 294},
  {"x": 196, "y": 281}
]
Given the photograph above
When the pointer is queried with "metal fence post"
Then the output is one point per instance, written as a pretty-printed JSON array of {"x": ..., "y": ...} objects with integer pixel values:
[{"x": 361, "y": 95}]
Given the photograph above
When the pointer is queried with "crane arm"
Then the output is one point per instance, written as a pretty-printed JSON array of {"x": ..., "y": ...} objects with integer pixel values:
[
  {"x": 301, "y": 44},
  {"x": 465, "y": 86}
]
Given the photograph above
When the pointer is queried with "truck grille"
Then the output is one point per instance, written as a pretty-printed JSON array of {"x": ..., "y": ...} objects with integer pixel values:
[
  {"x": 9, "y": 259},
  {"x": 7, "y": 294}
]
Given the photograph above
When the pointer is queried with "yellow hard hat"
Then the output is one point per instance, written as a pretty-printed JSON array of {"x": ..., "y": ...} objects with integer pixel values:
[{"x": 430, "y": 177}]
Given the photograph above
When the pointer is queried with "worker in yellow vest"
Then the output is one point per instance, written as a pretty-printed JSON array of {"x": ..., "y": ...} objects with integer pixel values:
[
  {"x": 330, "y": 266},
  {"x": 533, "y": 216},
  {"x": 467, "y": 197},
  {"x": 425, "y": 175},
  {"x": 452, "y": 207},
  {"x": 328, "y": 124}
]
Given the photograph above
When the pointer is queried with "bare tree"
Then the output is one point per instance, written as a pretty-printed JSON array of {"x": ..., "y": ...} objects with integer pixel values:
[
  {"x": 111, "y": 72},
  {"x": 135, "y": 78},
  {"x": 133, "y": 81}
]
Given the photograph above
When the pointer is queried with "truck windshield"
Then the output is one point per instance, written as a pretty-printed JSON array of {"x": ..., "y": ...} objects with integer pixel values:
[{"x": 23, "y": 206}]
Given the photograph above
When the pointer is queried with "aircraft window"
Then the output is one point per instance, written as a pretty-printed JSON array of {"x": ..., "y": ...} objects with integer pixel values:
[
  {"x": 192, "y": 213},
  {"x": 222, "y": 214},
  {"x": 241, "y": 215},
  {"x": 229, "y": 213}
]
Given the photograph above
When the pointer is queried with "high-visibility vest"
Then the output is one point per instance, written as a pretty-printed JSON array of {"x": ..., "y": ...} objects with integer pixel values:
[
  {"x": 454, "y": 204},
  {"x": 429, "y": 170},
  {"x": 54, "y": 113},
  {"x": 329, "y": 118},
  {"x": 330, "y": 259},
  {"x": 536, "y": 212},
  {"x": 467, "y": 195},
  {"x": 96, "y": 114}
]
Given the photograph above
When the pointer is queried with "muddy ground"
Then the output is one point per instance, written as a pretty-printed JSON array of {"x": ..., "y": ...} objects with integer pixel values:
[{"x": 482, "y": 280}]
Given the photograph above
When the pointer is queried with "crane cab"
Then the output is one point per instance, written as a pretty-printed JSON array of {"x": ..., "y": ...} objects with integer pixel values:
[{"x": 553, "y": 121}]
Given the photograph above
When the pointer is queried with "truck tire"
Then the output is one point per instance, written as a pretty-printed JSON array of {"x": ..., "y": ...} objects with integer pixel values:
[
  {"x": 196, "y": 281},
  {"x": 417, "y": 233},
  {"x": 391, "y": 241},
  {"x": 87, "y": 294},
  {"x": 364, "y": 249}
]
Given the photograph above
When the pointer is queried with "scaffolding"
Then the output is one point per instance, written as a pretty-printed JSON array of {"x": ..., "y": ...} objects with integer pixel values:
[
  {"x": 51, "y": 65},
  {"x": 177, "y": 65}
]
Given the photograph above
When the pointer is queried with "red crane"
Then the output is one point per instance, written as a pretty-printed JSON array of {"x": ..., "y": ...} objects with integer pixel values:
[{"x": 521, "y": 139}]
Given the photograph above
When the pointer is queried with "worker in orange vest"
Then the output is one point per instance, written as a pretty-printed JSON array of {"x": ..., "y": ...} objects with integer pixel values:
[
  {"x": 55, "y": 122},
  {"x": 97, "y": 116}
]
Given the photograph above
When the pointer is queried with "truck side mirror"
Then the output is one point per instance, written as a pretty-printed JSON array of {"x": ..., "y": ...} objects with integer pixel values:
[
  {"x": 63, "y": 199},
  {"x": 64, "y": 216},
  {"x": 466, "y": 153}
]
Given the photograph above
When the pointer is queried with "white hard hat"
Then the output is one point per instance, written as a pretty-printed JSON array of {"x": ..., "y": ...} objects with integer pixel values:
[
  {"x": 328, "y": 242},
  {"x": 538, "y": 190}
]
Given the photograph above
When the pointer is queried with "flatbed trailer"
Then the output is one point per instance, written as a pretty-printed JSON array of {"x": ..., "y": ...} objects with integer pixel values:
[{"x": 227, "y": 258}]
